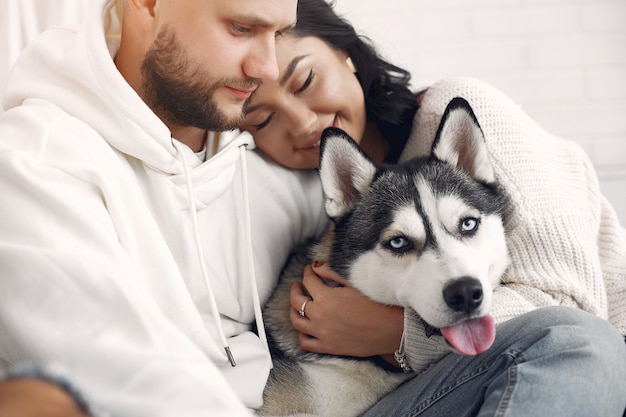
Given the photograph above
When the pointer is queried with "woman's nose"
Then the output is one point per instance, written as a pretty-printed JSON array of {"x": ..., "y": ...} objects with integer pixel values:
[{"x": 303, "y": 121}]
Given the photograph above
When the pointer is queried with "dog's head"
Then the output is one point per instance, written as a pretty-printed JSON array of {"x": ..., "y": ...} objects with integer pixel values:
[{"x": 426, "y": 234}]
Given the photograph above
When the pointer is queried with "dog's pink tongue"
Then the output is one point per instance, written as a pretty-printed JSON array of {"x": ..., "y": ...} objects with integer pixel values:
[{"x": 472, "y": 336}]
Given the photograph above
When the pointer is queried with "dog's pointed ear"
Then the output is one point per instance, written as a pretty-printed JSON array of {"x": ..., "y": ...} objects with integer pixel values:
[
  {"x": 460, "y": 141},
  {"x": 345, "y": 171}
]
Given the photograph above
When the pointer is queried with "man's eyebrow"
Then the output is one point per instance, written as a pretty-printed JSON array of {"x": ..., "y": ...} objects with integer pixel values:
[
  {"x": 255, "y": 20},
  {"x": 290, "y": 69}
]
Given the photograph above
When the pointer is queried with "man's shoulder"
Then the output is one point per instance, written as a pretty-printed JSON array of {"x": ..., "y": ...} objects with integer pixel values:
[
  {"x": 40, "y": 130},
  {"x": 287, "y": 205},
  {"x": 267, "y": 174}
]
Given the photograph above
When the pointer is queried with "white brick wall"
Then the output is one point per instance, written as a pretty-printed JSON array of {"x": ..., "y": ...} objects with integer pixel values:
[{"x": 564, "y": 61}]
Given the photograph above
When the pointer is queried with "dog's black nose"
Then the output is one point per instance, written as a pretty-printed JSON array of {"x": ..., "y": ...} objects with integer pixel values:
[{"x": 464, "y": 294}]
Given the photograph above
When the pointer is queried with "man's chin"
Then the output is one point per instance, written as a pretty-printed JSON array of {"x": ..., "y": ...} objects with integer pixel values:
[
  {"x": 232, "y": 117},
  {"x": 225, "y": 118}
]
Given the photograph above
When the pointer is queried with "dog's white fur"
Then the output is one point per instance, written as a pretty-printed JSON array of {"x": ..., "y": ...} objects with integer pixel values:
[{"x": 404, "y": 267}]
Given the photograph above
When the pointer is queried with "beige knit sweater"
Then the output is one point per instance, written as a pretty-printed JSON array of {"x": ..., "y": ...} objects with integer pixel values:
[{"x": 566, "y": 244}]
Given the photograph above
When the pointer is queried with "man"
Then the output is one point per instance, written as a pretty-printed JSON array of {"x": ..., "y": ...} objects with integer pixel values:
[{"x": 127, "y": 254}]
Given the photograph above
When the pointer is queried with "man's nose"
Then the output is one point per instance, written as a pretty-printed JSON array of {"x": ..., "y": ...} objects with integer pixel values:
[{"x": 261, "y": 63}]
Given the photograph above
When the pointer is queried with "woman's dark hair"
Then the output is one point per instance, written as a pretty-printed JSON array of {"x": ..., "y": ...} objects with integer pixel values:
[{"x": 388, "y": 97}]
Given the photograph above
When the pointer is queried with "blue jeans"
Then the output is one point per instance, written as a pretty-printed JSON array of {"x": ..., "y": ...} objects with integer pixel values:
[{"x": 552, "y": 362}]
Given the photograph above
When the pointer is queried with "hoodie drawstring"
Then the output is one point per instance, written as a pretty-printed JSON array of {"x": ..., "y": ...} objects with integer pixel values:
[
  {"x": 200, "y": 253},
  {"x": 258, "y": 316}
]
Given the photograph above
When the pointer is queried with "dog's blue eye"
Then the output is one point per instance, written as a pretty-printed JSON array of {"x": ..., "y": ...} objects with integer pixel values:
[
  {"x": 468, "y": 225},
  {"x": 399, "y": 244}
]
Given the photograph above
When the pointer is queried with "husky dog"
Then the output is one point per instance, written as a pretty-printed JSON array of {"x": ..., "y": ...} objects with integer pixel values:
[{"x": 427, "y": 234}]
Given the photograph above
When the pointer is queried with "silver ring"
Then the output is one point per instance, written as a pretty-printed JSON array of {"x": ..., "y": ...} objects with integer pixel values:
[{"x": 302, "y": 313}]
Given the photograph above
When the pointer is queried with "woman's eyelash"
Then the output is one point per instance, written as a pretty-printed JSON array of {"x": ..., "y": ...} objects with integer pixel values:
[
  {"x": 262, "y": 124},
  {"x": 307, "y": 83}
]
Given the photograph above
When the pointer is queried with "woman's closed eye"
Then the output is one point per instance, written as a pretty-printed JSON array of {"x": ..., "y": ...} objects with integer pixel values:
[
  {"x": 301, "y": 89},
  {"x": 264, "y": 123},
  {"x": 306, "y": 84}
]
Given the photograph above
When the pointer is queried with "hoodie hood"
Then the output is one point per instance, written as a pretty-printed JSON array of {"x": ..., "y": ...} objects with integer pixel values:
[{"x": 81, "y": 69}]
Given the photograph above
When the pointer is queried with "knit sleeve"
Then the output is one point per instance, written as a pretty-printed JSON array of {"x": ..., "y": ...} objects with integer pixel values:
[
  {"x": 612, "y": 253},
  {"x": 421, "y": 350},
  {"x": 566, "y": 244}
]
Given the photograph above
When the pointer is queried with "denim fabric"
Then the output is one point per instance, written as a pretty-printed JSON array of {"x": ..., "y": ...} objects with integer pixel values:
[{"x": 553, "y": 362}]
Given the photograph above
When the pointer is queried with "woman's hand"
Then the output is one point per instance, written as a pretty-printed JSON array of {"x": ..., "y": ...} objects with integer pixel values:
[{"x": 341, "y": 320}]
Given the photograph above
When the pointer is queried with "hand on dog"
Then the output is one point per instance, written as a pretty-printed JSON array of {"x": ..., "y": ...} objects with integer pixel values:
[{"x": 340, "y": 320}]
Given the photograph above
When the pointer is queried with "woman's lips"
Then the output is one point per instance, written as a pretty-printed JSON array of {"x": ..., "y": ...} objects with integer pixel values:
[{"x": 314, "y": 145}]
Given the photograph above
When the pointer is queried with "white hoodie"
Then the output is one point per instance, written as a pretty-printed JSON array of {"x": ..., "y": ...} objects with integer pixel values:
[{"x": 99, "y": 265}]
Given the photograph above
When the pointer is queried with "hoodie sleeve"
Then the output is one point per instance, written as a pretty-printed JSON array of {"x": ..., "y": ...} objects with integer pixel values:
[{"x": 69, "y": 292}]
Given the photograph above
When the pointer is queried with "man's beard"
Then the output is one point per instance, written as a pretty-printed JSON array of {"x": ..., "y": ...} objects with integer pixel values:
[{"x": 178, "y": 93}]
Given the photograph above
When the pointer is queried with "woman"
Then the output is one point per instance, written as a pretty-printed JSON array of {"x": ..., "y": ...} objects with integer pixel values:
[
  {"x": 328, "y": 82},
  {"x": 566, "y": 244},
  {"x": 320, "y": 90}
]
